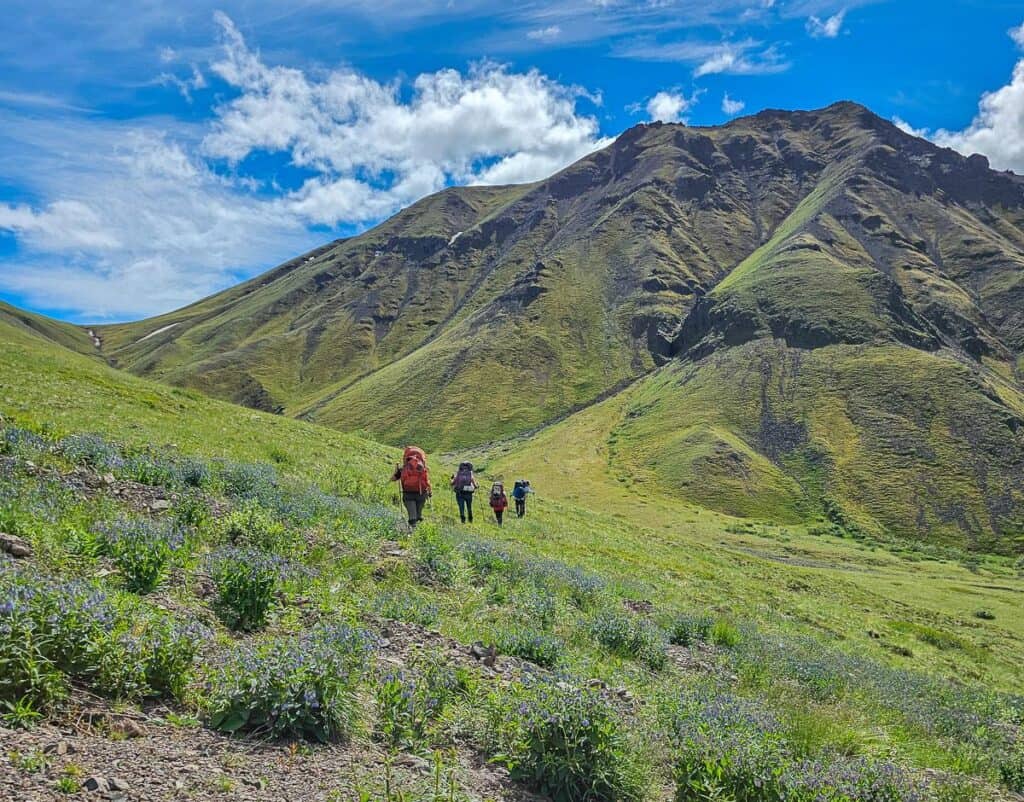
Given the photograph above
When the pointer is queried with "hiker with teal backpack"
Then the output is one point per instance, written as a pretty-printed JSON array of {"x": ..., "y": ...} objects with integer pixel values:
[
  {"x": 519, "y": 493},
  {"x": 499, "y": 501},
  {"x": 464, "y": 484},
  {"x": 415, "y": 481}
]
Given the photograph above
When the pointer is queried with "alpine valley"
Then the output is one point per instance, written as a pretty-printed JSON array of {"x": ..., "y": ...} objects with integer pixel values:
[{"x": 789, "y": 315}]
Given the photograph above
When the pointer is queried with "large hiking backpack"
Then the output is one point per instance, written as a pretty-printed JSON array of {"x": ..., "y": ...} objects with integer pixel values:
[
  {"x": 497, "y": 490},
  {"x": 415, "y": 478},
  {"x": 464, "y": 478}
]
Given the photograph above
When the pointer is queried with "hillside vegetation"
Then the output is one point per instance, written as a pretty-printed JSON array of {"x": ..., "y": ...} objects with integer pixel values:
[
  {"x": 814, "y": 312},
  {"x": 243, "y": 613}
]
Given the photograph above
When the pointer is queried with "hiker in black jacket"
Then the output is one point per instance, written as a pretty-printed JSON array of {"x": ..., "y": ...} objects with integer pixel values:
[{"x": 464, "y": 484}]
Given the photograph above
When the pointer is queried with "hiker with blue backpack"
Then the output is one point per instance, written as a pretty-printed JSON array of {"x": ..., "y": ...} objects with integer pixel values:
[
  {"x": 464, "y": 484},
  {"x": 519, "y": 492}
]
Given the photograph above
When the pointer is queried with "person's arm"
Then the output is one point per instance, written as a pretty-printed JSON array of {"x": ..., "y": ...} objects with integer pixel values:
[{"x": 397, "y": 474}]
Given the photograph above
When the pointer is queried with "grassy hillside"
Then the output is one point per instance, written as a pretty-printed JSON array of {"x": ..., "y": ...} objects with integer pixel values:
[
  {"x": 75, "y": 338},
  {"x": 658, "y": 621},
  {"x": 44, "y": 384}
]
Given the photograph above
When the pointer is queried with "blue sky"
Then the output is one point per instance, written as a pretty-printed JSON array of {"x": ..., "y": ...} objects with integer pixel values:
[{"x": 153, "y": 154}]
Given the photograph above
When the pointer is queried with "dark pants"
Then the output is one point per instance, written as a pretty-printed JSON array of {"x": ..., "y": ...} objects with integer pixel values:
[
  {"x": 498, "y": 514},
  {"x": 465, "y": 502},
  {"x": 520, "y": 507},
  {"x": 414, "y": 506}
]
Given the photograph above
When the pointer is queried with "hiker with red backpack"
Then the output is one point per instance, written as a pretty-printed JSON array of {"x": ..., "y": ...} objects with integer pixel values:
[
  {"x": 464, "y": 484},
  {"x": 499, "y": 501},
  {"x": 415, "y": 481}
]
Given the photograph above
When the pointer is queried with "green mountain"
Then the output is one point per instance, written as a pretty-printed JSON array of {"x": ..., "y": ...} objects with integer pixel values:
[{"x": 819, "y": 315}]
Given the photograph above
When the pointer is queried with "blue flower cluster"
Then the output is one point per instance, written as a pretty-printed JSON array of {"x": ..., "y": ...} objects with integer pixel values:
[
  {"x": 409, "y": 703},
  {"x": 565, "y": 742},
  {"x": 530, "y": 644},
  {"x": 142, "y": 549},
  {"x": 53, "y": 632},
  {"x": 630, "y": 636},
  {"x": 302, "y": 687},
  {"x": 247, "y": 580},
  {"x": 728, "y": 747}
]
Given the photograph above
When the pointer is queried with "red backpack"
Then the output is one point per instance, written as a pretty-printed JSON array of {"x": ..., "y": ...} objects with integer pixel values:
[{"x": 415, "y": 478}]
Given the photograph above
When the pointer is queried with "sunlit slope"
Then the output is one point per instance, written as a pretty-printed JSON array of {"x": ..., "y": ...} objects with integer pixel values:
[
  {"x": 70, "y": 336},
  {"x": 880, "y": 439},
  {"x": 46, "y": 383}
]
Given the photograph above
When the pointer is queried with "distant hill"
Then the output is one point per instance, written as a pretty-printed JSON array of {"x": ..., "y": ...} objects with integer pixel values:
[{"x": 825, "y": 316}]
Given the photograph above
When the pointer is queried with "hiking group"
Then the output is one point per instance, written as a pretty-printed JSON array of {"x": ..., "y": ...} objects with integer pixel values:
[{"x": 415, "y": 481}]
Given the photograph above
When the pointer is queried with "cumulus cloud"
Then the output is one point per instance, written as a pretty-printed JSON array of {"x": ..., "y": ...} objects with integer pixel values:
[
  {"x": 997, "y": 130},
  {"x": 154, "y": 214},
  {"x": 483, "y": 126},
  {"x": 670, "y": 107},
  {"x": 828, "y": 28},
  {"x": 732, "y": 106}
]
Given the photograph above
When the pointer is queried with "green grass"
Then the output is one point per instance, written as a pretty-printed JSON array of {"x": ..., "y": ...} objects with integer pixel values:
[
  {"x": 41, "y": 384},
  {"x": 646, "y": 545}
]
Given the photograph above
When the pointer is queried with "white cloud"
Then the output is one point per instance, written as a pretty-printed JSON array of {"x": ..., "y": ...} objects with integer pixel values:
[
  {"x": 185, "y": 85},
  {"x": 741, "y": 57},
  {"x": 548, "y": 34},
  {"x": 135, "y": 218},
  {"x": 997, "y": 130},
  {"x": 1017, "y": 34},
  {"x": 732, "y": 106},
  {"x": 140, "y": 225},
  {"x": 828, "y": 28},
  {"x": 669, "y": 107},
  {"x": 483, "y": 126}
]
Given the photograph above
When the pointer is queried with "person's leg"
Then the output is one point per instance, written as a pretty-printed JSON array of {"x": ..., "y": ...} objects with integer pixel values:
[
  {"x": 469, "y": 506},
  {"x": 460, "y": 498},
  {"x": 520, "y": 505},
  {"x": 498, "y": 514},
  {"x": 420, "y": 501},
  {"x": 410, "y": 509}
]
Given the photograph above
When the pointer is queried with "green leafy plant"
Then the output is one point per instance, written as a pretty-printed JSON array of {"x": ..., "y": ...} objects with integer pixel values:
[
  {"x": 246, "y": 581},
  {"x": 297, "y": 687},
  {"x": 565, "y": 742}
]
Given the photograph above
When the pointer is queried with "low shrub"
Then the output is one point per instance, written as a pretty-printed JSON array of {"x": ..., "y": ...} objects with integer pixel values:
[
  {"x": 92, "y": 451},
  {"x": 252, "y": 526},
  {"x": 300, "y": 687},
  {"x": 530, "y": 644},
  {"x": 487, "y": 559},
  {"x": 564, "y": 742},
  {"x": 149, "y": 469},
  {"x": 407, "y": 607},
  {"x": 630, "y": 636},
  {"x": 246, "y": 581},
  {"x": 689, "y": 630},
  {"x": 248, "y": 482},
  {"x": 731, "y": 748},
  {"x": 18, "y": 442},
  {"x": 1011, "y": 768},
  {"x": 435, "y": 556},
  {"x": 725, "y": 634},
  {"x": 141, "y": 549},
  {"x": 52, "y": 633},
  {"x": 410, "y": 703}
]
